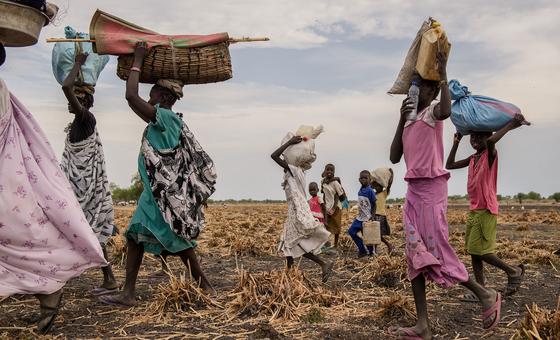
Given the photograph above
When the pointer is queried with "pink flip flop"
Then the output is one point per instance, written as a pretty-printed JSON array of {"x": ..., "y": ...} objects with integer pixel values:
[
  {"x": 114, "y": 301},
  {"x": 409, "y": 333},
  {"x": 99, "y": 291},
  {"x": 494, "y": 310}
]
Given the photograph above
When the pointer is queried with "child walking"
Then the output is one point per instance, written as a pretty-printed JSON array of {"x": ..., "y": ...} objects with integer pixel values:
[
  {"x": 334, "y": 195},
  {"x": 381, "y": 194},
  {"x": 303, "y": 235},
  {"x": 366, "y": 212},
  {"x": 316, "y": 203},
  {"x": 428, "y": 252},
  {"x": 480, "y": 237}
]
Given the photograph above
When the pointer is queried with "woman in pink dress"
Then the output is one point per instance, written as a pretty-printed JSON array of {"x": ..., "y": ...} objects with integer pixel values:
[
  {"x": 428, "y": 252},
  {"x": 45, "y": 239}
]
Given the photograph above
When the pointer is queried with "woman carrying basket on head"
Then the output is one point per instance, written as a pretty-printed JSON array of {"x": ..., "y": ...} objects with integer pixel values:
[{"x": 178, "y": 178}]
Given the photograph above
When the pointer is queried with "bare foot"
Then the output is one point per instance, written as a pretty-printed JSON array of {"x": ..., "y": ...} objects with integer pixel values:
[
  {"x": 491, "y": 309},
  {"x": 327, "y": 271},
  {"x": 118, "y": 300},
  {"x": 49, "y": 306},
  {"x": 410, "y": 332}
]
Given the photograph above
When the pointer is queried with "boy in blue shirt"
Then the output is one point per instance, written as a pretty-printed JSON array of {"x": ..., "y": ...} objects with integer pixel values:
[{"x": 366, "y": 212}]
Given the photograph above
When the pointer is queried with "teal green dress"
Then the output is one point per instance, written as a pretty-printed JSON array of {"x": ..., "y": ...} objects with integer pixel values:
[{"x": 147, "y": 226}]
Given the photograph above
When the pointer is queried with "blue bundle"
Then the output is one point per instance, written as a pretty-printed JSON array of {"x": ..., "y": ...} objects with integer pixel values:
[
  {"x": 63, "y": 55},
  {"x": 478, "y": 113}
]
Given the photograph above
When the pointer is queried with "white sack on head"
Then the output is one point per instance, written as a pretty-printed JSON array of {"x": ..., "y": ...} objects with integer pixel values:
[
  {"x": 302, "y": 154},
  {"x": 381, "y": 176}
]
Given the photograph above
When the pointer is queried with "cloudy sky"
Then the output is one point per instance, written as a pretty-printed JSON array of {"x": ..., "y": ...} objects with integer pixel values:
[{"x": 328, "y": 62}]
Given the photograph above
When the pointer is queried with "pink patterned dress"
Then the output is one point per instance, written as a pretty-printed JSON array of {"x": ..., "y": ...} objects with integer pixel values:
[
  {"x": 45, "y": 239},
  {"x": 428, "y": 251}
]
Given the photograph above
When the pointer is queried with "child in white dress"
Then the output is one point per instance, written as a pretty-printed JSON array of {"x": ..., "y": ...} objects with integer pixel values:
[{"x": 303, "y": 235}]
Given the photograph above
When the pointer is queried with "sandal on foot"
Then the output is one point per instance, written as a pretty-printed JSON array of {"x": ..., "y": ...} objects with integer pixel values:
[
  {"x": 103, "y": 291},
  {"x": 114, "y": 300},
  {"x": 469, "y": 297},
  {"x": 514, "y": 282},
  {"x": 47, "y": 317},
  {"x": 493, "y": 311},
  {"x": 327, "y": 273},
  {"x": 403, "y": 333}
]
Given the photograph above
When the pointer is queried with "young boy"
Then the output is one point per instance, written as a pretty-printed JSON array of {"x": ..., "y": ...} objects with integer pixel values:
[
  {"x": 316, "y": 203},
  {"x": 381, "y": 194},
  {"x": 366, "y": 212},
  {"x": 333, "y": 195},
  {"x": 480, "y": 238},
  {"x": 428, "y": 252}
]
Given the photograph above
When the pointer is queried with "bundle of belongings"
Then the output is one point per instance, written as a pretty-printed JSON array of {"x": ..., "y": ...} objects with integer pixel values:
[
  {"x": 421, "y": 58},
  {"x": 63, "y": 56},
  {"x": 478, "y": 113},
  {"x": 302, "y": 154},
  {"x": 382, "y": 176}
]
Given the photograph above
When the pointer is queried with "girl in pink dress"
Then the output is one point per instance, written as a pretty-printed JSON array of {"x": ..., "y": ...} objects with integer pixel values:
[
  {"x": 428, "y": 252},
  {"x": 45, "y": 239}
]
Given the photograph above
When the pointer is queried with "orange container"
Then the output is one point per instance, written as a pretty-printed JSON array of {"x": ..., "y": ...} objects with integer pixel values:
[{"x": 433, "y": 41}]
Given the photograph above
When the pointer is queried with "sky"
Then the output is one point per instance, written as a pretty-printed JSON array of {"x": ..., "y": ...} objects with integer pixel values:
[{"x": 327, "y": 62}]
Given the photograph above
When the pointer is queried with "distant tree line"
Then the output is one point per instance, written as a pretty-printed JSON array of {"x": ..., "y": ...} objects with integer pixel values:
[{"x": 132, "y": 193}]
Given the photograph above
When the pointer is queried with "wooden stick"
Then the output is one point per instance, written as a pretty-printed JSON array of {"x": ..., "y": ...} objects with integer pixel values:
[
  {"x": 247, "y": 39},
  {"x": 231, "y": 40},
  {"x": 54, "y": 40}
]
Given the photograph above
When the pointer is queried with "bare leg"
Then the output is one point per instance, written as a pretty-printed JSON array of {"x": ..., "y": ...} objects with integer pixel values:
[
  {"x": 190, "y": 260},
  {"x": 390, "y": 247},
  {"x": 127, "y": 297},
  {"x": 486, "y": 296},
  {"x": 289, "y": 262},
  {"x": 478, "y": 269},
  {"x": 49, "y": 305},
  {"x": 422, "y": 326},
  {"x": 494, "y": 260},
  {"x": 336, "y": 236},
  {"x": 109, "y": 281},
  {"x": 325, "y": 267}
]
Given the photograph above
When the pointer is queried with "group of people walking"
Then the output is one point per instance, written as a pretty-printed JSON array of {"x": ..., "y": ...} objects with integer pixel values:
[{"x": 56, "y": 219}]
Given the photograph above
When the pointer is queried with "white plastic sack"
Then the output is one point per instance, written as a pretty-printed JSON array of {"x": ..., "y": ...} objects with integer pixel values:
[
  {"x": 381, "y": 176},
  {"x": 63, "y": 56},
  {"x": 302, "y": 154}
]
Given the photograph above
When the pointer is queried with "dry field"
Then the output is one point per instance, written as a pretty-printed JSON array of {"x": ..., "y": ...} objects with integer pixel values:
[{"x": 258, "y": 299}]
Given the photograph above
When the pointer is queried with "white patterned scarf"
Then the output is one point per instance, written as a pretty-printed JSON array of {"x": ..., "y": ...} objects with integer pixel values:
[
  {"x": 181, "y": 180},
  {"x": 84, "y": 165}
]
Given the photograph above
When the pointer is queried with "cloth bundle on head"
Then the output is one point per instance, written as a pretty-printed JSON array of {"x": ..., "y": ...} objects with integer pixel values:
[
  {"x": 302, "y": 154},
  {"x": 81, "y": 90},
  {"x": 173, "y": 85},
  {"x": 478, "y": 113},
  {"x": 381, "y": 176},
  {"x": 64, "y": 54}
]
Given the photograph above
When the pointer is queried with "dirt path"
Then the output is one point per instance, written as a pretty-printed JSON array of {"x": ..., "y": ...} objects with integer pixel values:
[{"x": 353, "y": 305}]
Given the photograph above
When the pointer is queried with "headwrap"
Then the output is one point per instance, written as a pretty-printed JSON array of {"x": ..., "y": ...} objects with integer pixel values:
[
  {"x": 173, "y": 85},
  {"x": 81, "y": 90}
]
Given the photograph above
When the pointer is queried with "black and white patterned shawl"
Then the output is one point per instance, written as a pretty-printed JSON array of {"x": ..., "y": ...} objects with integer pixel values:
[
  {"x": 181, "y": 179},
  {"x": 84, "y": 165}
]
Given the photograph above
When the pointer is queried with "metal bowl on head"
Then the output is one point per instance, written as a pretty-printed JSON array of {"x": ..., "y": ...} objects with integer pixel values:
[{"x": 20, "y": 25}]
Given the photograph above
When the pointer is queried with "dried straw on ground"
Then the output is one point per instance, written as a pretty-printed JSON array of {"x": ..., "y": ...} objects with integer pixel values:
[{"x": 539, "y": 324}]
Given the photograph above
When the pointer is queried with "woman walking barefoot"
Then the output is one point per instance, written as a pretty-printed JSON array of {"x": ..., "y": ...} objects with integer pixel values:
[{"x": 178, "y": 178}]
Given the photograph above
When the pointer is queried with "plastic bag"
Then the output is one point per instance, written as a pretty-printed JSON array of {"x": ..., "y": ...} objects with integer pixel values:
[
  {"x": 478, "y": 113},
  {"x": 63, "y": 55},
  {"x": 302, "y": 154},
  {"x": 382, "y": 176},
  {"x": 407, "y": 71}
]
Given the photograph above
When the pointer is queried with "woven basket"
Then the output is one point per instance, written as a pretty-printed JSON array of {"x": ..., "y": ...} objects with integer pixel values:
[{"x": 197, "y": 65}]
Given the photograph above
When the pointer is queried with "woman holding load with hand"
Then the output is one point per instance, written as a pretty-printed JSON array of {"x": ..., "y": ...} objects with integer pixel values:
[{"x": 178, "y": 178}]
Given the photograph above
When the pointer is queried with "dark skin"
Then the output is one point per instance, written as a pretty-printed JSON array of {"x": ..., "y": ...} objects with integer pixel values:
[
  {"x": 313, "y": 191},
  {"x": 428, "y": 92},
  {"x": 378, "y": 189},
  {"x": 80, "y": 107},
  {"x": 329, "y": 177},
  {"x": 326, "y": 267},
  {"x": 76, "y": 105},
  {"x": 482, "y": 142},
  {"x": 147, "y": 112}
]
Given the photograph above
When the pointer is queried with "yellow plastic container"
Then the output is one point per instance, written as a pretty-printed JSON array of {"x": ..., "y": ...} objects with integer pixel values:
[{"x": 433, "y": 41}]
